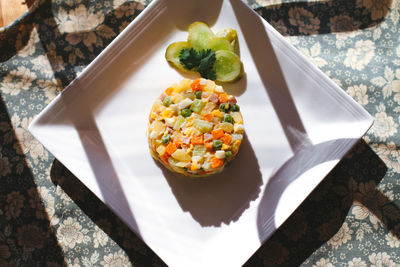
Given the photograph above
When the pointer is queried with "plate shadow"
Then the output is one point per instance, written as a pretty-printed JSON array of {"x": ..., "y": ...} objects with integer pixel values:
[{"x": 223, "y": 197}]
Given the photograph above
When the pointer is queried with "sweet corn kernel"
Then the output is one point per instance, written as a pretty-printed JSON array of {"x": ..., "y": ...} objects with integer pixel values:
[
  {"x": 217, "y": 113},
  {"x": 177, "y": 98},
  {"x": 167, "y": 113},
  {"x": 194, "y": 166},
  {"x": 226, "y": 147}
]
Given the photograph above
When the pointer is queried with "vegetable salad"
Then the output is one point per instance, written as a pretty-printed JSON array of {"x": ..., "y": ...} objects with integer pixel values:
[{"x": 195, "y": 128}]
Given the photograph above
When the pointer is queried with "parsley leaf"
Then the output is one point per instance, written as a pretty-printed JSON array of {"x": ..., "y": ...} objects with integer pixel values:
[
  {"x": 201, "y": 61},
  {"x": 206, "y": 66},
  {"x": 189, "y": 58}
]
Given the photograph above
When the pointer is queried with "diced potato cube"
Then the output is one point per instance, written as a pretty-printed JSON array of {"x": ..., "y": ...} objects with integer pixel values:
[
  {"x": 179, "y": 123},
  {"x": 209, "y": 86},
  {"x": 238, "y": 128},
  {"x": 236, "y": 137},
  {"x": 218, "y": 89},
  {"x": 181, "y": 155},
  {"x": 237, "y": 117},
  {"x": 170, "y": 122},
  {"x": 226, "y": 126},
  {"x": 158, "y": 127},
  {"x": 199, "y": 151},
  {"x": 161, "y": 150},
  {"x": 220, "y": 154},
  {"x": 209, "y": 106},
  {"x": 185, "y": 84},
  {"x": 177, "y": 98},
  {"x": 203, "y": 126},
  {"x": 175, "y": 109},
  {"x": 153, "y": 135},
  {"x": 185, "y": 103}
]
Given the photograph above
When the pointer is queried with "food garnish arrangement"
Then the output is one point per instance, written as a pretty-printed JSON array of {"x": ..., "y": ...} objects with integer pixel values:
[
  {"x": 213, "y": 56},
  {"x": 195, "y": 128}
]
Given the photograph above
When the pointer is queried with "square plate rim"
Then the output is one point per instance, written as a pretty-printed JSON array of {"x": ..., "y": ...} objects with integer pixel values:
[{"x": 134, "y": 27}]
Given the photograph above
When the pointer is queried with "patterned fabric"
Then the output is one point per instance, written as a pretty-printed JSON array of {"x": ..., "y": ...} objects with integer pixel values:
[{"x": 48, "y": 218}]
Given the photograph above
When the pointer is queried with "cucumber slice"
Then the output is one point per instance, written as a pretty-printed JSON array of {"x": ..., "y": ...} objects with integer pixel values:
[
  {"x": 230, "y": 35},
  {"x": 217, "y": 43},
  {"x": 199, "y": 35},
  {"x": 227, "y": 66},
  {"x": 172, "y": 54}
]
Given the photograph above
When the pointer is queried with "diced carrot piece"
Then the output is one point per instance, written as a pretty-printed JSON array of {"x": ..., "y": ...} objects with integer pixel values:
[
  {"x": 196, "y": 86},
  {"x": 197, "y": 140},
  {"x": 169, "y": 90},
  {"x": 171, "y": 148},
  {"x": 165, "y": 157},
  {"x": 208, "y": 145},
  {"x": 217, "y": 133},
  {"x": 216, "y": 162},
  {"x": 208, "y": 117},
  {"x": 222, "y": 98},
  {"x": 227, "y": 138}
]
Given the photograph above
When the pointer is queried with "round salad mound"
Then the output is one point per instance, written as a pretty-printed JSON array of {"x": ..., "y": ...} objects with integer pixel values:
[{"x": 195, "y": 128}]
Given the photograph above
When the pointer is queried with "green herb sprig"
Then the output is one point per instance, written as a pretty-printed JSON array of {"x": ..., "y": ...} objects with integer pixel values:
[{"x": 201, "y": 61}]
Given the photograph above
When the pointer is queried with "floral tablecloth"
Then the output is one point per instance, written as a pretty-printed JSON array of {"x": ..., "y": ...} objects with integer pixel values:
[{"x": 48, "y": 218}]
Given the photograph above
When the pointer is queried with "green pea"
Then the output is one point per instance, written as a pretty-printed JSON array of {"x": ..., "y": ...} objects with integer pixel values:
[
  {"x": 217, "y": 144},
  {"x": 228, "y": 154},
  {"x": 222, "y": 107},
  {"x": 198, "y": 94},
  {"x": 165, "y": 139},
  {"x": 186, "y": 112},
  {"x": 235, "y": 107},
  {"x": 227, "y": 118},
  {"x": 167, "y": 101}
]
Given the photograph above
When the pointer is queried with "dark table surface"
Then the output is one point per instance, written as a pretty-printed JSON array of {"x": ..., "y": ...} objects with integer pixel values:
[{"x": 48, "y": 218}]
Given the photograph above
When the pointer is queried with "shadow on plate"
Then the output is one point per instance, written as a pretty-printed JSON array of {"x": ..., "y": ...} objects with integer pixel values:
[
  {"x": 206, "y": 11},
  {"x": 223, "y": 197},
  {"x": 322, "y": 215},
  {"x": 302, "y": 161}
]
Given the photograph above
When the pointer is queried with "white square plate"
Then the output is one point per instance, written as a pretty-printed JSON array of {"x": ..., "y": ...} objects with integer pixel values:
[{"x": 298, "y": 124}]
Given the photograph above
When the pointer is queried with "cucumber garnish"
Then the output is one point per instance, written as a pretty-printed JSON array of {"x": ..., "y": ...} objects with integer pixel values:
[
  {"x": 173, "y": 52},
  {"x": 231, "y": 36},
  {"x": 227, "y": 66},
  {"x": 217, "y": 43},
  {"x": 199, "y": 35},
  {"x": 215, "y": 57}
]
